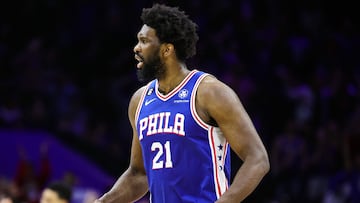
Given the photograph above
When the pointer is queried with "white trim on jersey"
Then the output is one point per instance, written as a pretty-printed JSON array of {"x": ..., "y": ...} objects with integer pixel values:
[
  {"x": 218, "y": 146},
  {"x": 216, "y": 140},
  {"x": 140, "y": 104},
  {"x": 176, "y": 89},
  {"x": 196, "y": 117}
]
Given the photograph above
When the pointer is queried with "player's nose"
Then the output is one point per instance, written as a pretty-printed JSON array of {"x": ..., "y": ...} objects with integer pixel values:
[{"x": 137, "y": 48}]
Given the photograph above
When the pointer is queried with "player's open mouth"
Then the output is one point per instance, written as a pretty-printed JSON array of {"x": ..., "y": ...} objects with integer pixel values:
[{"x": 140, "y": 61}]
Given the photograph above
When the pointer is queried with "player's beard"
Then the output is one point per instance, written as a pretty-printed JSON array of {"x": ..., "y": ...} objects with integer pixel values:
[{"x": 152, "y": 68}]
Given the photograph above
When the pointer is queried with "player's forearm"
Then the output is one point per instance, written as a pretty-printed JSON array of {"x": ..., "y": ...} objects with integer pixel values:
[
  {"x": 246, "y": 180},
  {"x": 128, "y": 188}
]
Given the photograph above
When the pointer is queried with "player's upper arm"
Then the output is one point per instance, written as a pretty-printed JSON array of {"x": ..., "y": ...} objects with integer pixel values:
[
  {"x": 136, "y": 159},
  {"x": 222, "y": 104}
]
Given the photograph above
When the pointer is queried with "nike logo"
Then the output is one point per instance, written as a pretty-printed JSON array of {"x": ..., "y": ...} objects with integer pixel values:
[{"x": 147, "y": 102}]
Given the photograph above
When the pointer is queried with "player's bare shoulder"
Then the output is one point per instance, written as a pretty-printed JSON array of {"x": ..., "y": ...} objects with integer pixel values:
[
  {"x": 134, "y": 102},
  {"x": 215, "y": 100},
  {"x": 211, "y": 89},
  {"x": 137, "y": 95}
]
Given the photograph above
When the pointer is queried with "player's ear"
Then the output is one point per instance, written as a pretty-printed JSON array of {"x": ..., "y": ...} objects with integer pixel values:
[{"x": 168, "y": 49}]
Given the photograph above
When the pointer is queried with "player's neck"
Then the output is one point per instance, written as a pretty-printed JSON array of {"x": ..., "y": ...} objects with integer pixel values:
[{"x": 172, "y": 78}]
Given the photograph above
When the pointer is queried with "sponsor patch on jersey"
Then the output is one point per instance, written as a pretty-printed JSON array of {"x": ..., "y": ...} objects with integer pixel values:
[{"x": 182, "y": 101}]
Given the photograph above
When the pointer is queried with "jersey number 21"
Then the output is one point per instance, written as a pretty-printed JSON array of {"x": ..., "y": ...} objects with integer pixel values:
[{"x": 158, "y": 160}]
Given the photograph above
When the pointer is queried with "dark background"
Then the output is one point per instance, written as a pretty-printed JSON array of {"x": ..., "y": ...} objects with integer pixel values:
[{"x": 67, "y": 67}]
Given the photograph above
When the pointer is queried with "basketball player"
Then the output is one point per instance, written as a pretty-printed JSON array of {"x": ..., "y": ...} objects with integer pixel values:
[{"x": 184, "y": 123}]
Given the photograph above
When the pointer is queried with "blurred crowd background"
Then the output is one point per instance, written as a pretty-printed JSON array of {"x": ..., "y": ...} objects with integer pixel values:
[{"x": 67, "y": 68}]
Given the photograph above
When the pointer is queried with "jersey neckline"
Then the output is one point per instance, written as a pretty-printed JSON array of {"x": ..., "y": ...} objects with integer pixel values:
[{"x": 176, "y": 89}]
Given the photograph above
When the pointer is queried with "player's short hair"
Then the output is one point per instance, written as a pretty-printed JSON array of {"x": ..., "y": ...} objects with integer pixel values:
[
  {"x": 63, "y": 190},
  {"x": 172, "y": 26}
]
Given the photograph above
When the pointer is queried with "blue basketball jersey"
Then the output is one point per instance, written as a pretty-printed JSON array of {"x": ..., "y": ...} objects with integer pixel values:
[{"x": 186, "y": 160}]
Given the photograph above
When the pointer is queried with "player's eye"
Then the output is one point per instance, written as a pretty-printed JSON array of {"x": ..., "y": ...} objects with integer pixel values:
[{"x": 143, "y": 41}]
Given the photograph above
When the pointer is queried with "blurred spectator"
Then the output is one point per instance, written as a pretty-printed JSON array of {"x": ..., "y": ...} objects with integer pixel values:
[
  {"x": 28, "y": 179},
  {"x": 289, "y": 161},
  {"x": 56, "y": 192},
  {"x": 5, "y": 199}
]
